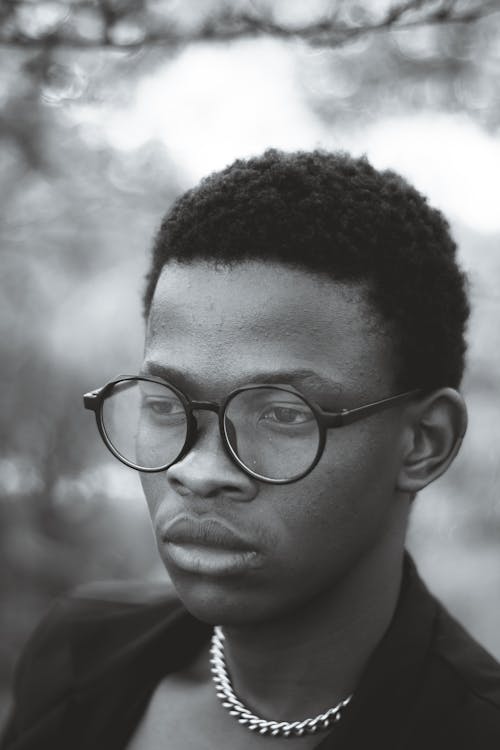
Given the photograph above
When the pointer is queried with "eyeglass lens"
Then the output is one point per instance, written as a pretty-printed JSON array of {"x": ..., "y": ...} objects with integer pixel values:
[
  {"x": 145, "y": 422},
  {"x": 272, "y": 432}
]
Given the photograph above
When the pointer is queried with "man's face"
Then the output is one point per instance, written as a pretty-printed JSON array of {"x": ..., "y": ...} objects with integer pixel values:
[{"x": 212, "y": 330}]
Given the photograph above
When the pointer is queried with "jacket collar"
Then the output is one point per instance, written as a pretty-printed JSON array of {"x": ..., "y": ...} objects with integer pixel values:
[
  {"x": 122, "y": 652},
  {"x": 378, "y": 713}
]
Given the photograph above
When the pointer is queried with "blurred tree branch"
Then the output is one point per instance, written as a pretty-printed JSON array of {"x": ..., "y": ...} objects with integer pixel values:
[
  {"x": 129, "y": 24},
  {"x": 434, "y": 53}
]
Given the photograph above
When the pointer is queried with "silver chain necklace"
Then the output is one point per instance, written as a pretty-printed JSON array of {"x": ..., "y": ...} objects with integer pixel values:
[{"x": 244, "y": 716}]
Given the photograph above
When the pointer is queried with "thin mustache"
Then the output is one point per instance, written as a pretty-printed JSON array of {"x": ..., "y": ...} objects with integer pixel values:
[{"x": 208, "y": 532}]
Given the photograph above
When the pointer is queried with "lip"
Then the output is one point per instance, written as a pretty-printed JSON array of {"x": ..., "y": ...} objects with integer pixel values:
[
  {"x": 208, "y": 546},
  {"x": 210, "y": 561},
  {"x": 205, "y": 532}
]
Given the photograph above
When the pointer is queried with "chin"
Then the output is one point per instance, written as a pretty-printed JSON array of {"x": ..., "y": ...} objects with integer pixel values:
[
  {"x": 225, "y": 601},
  {"x": 236, "y": 602},
  {"x": 212, "y": 601}
]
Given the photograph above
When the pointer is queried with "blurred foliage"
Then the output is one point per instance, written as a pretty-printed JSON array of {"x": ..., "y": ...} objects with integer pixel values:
[
  {"x": 132, "y": 23},
  {"x": 78, "y": 215},
  {"x": 358, "y": 58},
  {"x": 76, "y": 226}
]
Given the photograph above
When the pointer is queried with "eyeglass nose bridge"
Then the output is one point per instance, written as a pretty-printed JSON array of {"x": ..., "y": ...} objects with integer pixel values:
[
  {"x": 224, "y": 425},
  {"x": 205, "y": 406},
  {"x": 193, "y": 430}
]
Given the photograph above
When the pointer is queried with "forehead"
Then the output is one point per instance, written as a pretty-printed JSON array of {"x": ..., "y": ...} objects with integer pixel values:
[{"x": 221, "y": 325}]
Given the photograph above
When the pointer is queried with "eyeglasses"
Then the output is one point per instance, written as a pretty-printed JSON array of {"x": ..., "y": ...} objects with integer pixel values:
[{"x": 271, "y": 432}]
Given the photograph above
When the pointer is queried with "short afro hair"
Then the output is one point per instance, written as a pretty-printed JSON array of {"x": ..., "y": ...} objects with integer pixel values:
[{"x": 333, "y": 214}]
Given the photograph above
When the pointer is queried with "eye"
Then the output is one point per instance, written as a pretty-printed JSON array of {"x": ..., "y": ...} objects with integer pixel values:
[
  {"x": 163, "y": 407},
  {"x": 287, "y": 415}
]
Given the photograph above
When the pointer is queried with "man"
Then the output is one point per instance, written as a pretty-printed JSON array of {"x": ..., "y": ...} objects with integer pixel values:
[{"x": 304, "y": 349}]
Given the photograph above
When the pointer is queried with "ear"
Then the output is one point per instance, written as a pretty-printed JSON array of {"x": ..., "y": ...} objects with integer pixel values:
[{"x": 433, "y": 435}]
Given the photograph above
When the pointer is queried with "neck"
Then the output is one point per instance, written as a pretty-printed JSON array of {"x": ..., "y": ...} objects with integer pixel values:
[{"x": 310, "y": 659}]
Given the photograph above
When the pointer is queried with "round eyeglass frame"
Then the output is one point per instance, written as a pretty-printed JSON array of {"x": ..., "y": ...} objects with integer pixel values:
[{"x": 94, "y": 400}]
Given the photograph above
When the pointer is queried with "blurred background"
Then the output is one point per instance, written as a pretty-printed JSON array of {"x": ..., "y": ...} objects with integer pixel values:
[{"x": 108, "y": 111}]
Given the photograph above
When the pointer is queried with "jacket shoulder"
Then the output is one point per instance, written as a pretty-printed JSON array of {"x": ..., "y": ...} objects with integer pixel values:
[
  {"x": 108, "y": 615},
  {"x": 122, "y": 594},
  {"x": 473, "y": 675},
  {"x": 472, "y": 666}
]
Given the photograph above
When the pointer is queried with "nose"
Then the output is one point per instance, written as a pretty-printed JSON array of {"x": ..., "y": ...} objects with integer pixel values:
[{"x": 207, "y": 471}]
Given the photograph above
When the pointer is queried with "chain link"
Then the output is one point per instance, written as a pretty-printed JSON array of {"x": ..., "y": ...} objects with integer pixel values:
[{"x": 244, "y": 716}]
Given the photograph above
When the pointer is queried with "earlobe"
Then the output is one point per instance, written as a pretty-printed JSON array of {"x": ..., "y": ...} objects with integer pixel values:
[{"x": 432, "y": 438}]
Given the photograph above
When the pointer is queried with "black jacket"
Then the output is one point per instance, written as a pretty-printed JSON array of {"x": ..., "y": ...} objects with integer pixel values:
[{"x": 87, "y": 674}]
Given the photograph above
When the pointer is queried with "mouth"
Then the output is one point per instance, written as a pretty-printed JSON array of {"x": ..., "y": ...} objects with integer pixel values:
[{"x": 207, "y": 546}]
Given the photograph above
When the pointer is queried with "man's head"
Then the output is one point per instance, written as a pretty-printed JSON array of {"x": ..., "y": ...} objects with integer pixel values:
[
  {"x": 312, "y": 264},
  {"x": 335, "y": 215}
]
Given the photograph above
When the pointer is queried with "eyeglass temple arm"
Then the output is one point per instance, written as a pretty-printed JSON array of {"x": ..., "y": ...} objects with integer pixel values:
[{"x": 347, "y": 416}]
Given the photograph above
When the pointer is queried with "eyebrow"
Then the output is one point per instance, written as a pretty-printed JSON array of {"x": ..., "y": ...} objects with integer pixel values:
[{"x": 295, "y": 376}]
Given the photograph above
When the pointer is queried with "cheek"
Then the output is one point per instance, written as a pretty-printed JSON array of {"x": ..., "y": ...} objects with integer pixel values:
[
  {"x": 361, "y": 460},
  {"x": 332, "y": 515},
  {"x": 153, "y": 486}
]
